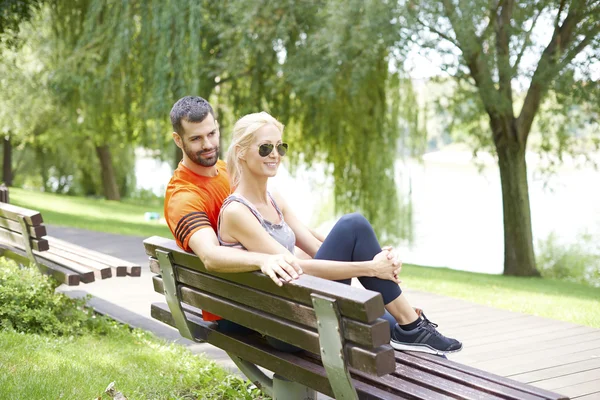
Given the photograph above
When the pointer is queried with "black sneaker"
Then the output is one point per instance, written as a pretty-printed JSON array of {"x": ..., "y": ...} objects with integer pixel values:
[{"x": 424, "y": 338}]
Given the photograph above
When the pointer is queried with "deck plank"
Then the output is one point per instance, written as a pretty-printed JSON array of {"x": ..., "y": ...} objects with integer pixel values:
[
  {"x": 525, "y": 342},
  {"x": 592, "y": 396},
  {"x": 571, "y": 379},
  {"x": 581, "y": 389},
  {"x": 559, "y": 370},
  {"x": 546, "y": 353}
]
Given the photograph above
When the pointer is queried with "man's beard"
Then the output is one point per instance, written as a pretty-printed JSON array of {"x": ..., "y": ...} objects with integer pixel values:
[{"x": 199, "y": 159}]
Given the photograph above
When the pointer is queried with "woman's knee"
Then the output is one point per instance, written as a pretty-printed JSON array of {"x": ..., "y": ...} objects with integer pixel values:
[{"x": 355, "y": 222}]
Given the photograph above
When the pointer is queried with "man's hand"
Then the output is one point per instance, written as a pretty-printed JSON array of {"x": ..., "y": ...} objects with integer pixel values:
[
  {"x": 281, "y": 268},
  {"x": 387, "y": 264}
]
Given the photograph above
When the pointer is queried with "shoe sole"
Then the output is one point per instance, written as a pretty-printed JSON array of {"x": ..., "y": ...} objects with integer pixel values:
[{"x": 423, "y": 348}]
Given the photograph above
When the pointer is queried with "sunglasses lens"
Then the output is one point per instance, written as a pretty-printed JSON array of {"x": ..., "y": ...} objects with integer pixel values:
[
  {"x": 282, "y": 148},
  {"x": 265, "y": 149}
]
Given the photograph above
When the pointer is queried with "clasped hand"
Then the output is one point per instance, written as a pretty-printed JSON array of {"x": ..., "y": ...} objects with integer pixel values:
[{"x": 387, "y": 264}]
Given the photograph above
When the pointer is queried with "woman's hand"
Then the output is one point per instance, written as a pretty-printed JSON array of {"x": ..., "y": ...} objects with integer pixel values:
[
  {"x": 281, "y": 268},
  {"x": 386, "y": 265}
]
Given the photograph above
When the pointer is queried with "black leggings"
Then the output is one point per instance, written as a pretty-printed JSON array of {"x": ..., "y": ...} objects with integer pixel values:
[{"x": 351, "y": 239}]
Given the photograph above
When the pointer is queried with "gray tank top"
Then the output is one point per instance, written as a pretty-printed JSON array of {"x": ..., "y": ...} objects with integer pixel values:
[{"x": 280, "y": 232}]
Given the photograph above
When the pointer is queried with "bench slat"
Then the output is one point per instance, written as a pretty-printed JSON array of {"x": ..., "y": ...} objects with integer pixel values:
[
  {"x": 356, "y": 303},
  {"x": 291, "y": 366},
  {"x": 85, "y": 274},
  {"x": 489, "y": 376},
  {"x": 447, "y": 387},
  {"x": 408, "y": 362},
  {"x": 101, "y": 271},
  {"x": 405, "y": 387},
  {"x": 11, "y": 212},
  {"x": 19, "y": 240},
  {"x": 378, "y": 361},
  {"x": 121, "y": 267},
  {"x": 59, "y": 273},
  {"x": 372, "y": 335},
  {"x": 36, "y": 232}
]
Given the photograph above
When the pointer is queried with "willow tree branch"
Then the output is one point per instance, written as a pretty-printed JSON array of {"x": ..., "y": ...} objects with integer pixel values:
[
  {"x": 492, "y": 20},
  {"x": 559, "y": 13},
  {"x": 591, "y": 35},
  {"x": 526, "y": 42},
  {"x": 437, "y": 32},
  {"x": 473, "y": 54},
  {"x": 546, "y": 71}
]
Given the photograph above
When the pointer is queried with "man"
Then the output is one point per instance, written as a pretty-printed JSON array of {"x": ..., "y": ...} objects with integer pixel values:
[{"x": 193, "y": 200}]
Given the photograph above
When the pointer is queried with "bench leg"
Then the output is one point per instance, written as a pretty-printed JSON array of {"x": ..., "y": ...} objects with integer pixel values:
[
  {"x": 170, "y": 288},
  {"x": 284, "y": 389},
  {"x": 332, "y": 347},
  {"x": 279, "y": 388},
  {"x": 252, "y": 372}
]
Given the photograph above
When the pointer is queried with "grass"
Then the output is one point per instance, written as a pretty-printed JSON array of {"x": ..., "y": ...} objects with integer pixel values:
[
  {"x": 125, "y": 218},
  {"x": 565, "y": 301},
  {"x": 142, "y": 367}
]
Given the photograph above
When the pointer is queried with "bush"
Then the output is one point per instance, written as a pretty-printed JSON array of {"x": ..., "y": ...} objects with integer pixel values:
[
  {"x": 29, "y": 304},
  {"x": 576, "y": 262}
]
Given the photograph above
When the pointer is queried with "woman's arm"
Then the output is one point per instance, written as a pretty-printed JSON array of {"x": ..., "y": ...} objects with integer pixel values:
[
  {"x": 305, "y": 238},
  {"x": 238, "y": 223}
]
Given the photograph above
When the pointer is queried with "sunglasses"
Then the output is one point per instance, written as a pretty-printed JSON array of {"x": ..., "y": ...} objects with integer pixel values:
[{"x": 267, "y": 148}]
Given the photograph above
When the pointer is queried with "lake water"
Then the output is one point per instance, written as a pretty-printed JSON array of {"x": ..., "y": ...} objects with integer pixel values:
[{"x": 457, "y": 208}]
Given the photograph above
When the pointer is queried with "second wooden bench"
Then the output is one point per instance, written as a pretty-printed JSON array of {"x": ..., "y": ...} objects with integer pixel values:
[{"x": 23, "y": 237}]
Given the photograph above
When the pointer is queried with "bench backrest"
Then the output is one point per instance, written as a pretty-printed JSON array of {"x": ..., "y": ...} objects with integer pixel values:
[
  {"x": 22, "y": 227},
  {"x": 286, "y": 313}
]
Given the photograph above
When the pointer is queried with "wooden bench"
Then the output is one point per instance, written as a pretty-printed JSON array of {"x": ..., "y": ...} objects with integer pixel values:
[
  {"x": 23, "y": 237},
  {"x": 346, "y": 345}
]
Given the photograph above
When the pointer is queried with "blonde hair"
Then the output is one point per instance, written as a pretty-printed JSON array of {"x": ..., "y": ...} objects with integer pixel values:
[{"x": 242, "y": 137}]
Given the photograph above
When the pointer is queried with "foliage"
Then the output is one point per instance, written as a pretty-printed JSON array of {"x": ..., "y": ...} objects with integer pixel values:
[
  {"x": 330, "y": 84},
  {"x": 576, "y": 262},
  {"x": 29, "y": 304},
  {"x": 347, "y": 105},
  {"x": 12, "y": 14},
  {"x": 81, "y": 367},
  {"x": 544, "y": 297}
]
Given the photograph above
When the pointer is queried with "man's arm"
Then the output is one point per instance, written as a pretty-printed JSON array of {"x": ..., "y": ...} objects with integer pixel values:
[{"x": 218, "y": 258}]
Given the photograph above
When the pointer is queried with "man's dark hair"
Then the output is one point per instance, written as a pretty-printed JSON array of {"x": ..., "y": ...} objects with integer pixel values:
[{"x": 190, "y": 109}]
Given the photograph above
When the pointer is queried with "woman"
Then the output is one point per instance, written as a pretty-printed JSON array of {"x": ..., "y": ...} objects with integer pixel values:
[{"x": 259, "y": 221}]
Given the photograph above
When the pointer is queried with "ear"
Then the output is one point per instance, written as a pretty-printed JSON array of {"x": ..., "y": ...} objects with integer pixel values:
[
  {"x": 177, "y": 139},
  {"x": 241, "y": 154}
]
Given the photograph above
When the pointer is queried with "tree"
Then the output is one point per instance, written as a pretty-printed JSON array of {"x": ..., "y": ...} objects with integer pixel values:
[
  {"x": 12, "y": 14},
  {"x": 488, "y": 46},
  {"x": 96, "y": 79},
  {"x": 322, "y": 67},
  {"x": 26, "y": 104}
]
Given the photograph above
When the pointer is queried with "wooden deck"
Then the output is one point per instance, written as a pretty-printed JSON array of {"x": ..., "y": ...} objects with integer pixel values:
[{"x": 554, "y": 355}]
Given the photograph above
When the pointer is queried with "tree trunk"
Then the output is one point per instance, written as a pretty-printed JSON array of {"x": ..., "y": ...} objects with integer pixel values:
[
  {"x": 519, "y": 257},
  {"x": 109, "y": 180},
  {"x": 7, "y": 171}
]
